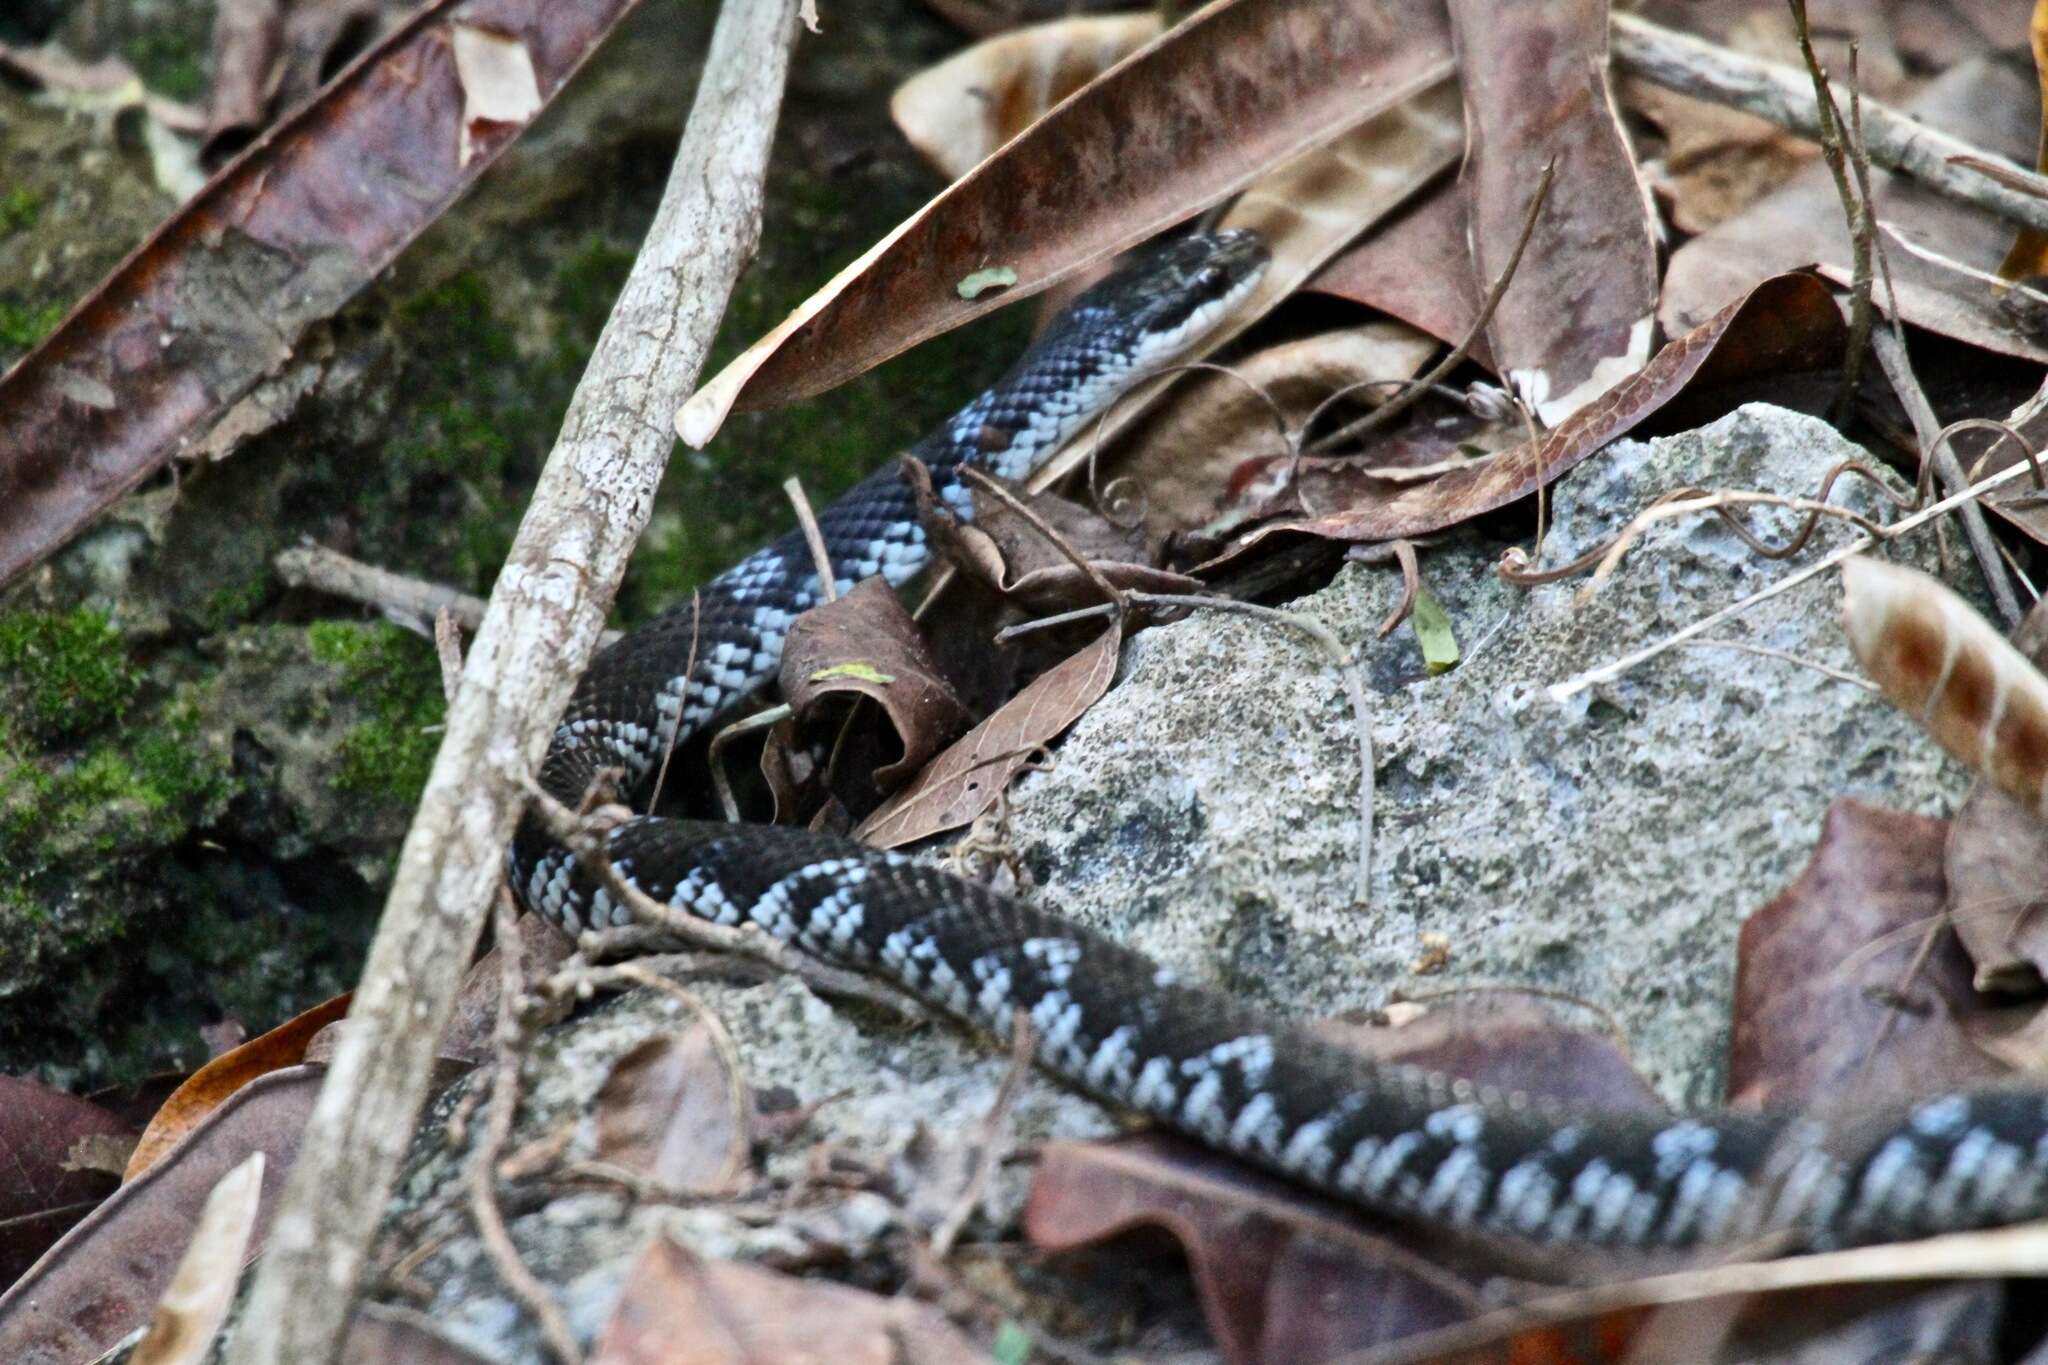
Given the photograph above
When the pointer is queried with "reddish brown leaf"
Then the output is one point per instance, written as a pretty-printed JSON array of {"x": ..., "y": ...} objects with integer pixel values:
[
  {"x": 206, "y": 1089},
  {"x": 1283, "y": 1277},
  {"x": 1997, "y": 867},
  {"x": 103, "y": 1279},
  {"x": 1234, "y": 90},
  {"x": 246, "y": 35},
  {"x": 865, "y": 645},
  {"x": 45, "y": 1191},
  {"x": 967, "y": 778},
  {"x": 1418, "y": 268},
  {"x": 1825, "y": 1002},
  {"x": 219, "y": 296},
  {"x": 675, "y": 1109},
  {"x": 1788, "y": 322},
  {"x": 679, "y": 1308},
  {"x": 468, "y": 1041},
  {"x": 1580, "y": 316}
]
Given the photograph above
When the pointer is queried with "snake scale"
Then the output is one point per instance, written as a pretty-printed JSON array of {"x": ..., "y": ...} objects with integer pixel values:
[{"x": 1392, "y": 1139}]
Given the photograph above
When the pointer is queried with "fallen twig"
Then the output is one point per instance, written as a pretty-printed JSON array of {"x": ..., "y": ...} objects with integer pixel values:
[
  {"x": 1608, "y": 672},
  {"x": 1782, "y": 95},
  {"x": 537, "y": 635}
]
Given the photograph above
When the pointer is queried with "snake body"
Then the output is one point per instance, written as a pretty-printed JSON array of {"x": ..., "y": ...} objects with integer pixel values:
[{"x": 1392, "y": 1139}]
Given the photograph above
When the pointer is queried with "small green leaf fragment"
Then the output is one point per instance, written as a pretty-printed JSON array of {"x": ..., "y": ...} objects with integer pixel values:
[
  {"x": 1012, "y": 1345},
  {"x": 856, "y": 670},
  {"x": 981, "y": 281},
  {"x": 1433, "y": 632}
]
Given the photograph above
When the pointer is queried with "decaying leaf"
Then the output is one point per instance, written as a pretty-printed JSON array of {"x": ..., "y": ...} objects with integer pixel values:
[
  {"x": 1832, "y": 999},
  {"x": 195, "y": 1303},
  {"x": 961, "y": 110},
  {"x": 218, "y": 296},
  {"x": 967, "y": 778},
  {"x": 675, "y": 1109},
  {"x": 46, "y": 1188},
  {"x": 1283, "y": 1277},
  {"x": 1236, "y": 88},
  {"x": 1581, "y": 314},
  {"x": 1949, "y": 669},
  {"x": 865, "y": 645},
  {"x": 379, "y": 1334},
  {"x": 103, "y": 1279},
  {"x": 729, "y": 1313},
  {"x": 2028, "y": 255}
]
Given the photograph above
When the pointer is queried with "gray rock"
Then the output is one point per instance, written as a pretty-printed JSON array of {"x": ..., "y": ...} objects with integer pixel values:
[{"x": 1607, "y": 848}]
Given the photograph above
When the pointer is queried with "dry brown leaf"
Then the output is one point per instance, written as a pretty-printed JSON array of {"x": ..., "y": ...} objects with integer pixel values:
[
  {"x": 1209, "y": 457},
  {"x": 195, "y": 1303},
  {"x": 1787, "y": 323},
  {"x": 1982, "y": 101},
  {"x": 210, "y": 1086},
  {"x": 1236, "y": 88},
  {"x": 1416, "y": 267},
  {"x": 967, "y": 778},
  {"x": 1829, "y": 1004},
  {"x": 675, "y": 1109},
  {"x": 1997, "y": 861},
  {"x": 678, "y": 1308},
  {"x": 49, "y": 1180},
  {"x": 865, "y": 645},
  {"x": 223, "y": 292},
  {"x": 1284, "y": 1277},
  {"x": 102, "y": 1280},
  {"x": 1581, "y": 314},
  {"x": 500, "y": 91},
  {"x": 959, "y": 111},
  {"x": 1949, "y": 669}
]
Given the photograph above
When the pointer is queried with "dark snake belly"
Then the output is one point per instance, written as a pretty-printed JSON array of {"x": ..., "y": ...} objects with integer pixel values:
[{"x": 1389, "y": 1138}]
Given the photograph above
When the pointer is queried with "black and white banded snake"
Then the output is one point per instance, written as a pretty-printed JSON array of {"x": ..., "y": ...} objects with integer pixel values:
[{"x": 1391, "y": 1139}]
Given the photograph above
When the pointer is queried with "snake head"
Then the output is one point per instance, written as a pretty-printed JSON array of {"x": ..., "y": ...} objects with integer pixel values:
[{"x": 1167, "y": 298}]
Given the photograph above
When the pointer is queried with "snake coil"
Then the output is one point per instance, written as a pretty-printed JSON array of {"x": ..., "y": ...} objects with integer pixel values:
[{"x": 1389, "y": 1138}]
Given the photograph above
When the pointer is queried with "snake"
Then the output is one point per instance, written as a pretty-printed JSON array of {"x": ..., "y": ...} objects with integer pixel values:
[{"x": 1387, "y": 1138}]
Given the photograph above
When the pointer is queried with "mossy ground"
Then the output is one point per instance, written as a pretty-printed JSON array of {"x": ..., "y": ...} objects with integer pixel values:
[{"x": 204, "y": 777}]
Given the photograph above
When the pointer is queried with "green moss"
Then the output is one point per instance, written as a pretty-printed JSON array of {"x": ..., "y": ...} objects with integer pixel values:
[
  {"x": 19, "y": 208},
  {"x": 63, "y": 676},
  {"x": 237, "y": 602},
  {"x": 168, "y": 62},
  {"x": 22, "y": 326},
  {"x": 395, "y": 677}
]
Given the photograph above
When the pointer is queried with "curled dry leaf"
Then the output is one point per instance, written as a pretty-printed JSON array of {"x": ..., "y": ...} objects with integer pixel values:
[
  {"x": 967, "y": 778},
  {"x": 1949, "y": 669},
  {"x": 959, "y": 111},
  {"x": 221, "y": 294},
  {"x": 675, "y": 1109},
  {"x": 1828, "y": 1000},
  {"x": 728, "y": 1313},
  {"x": 865, "y": 645},
  {"x": 101, "y": 1281},
  {"x": 206, "y": 1089},
  {"x": 1237, "y": 87},
  {"x": 500, "y": 91},
  {"x": 1581, "y": 314},
  {"x": 195, "y": 1303}
]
